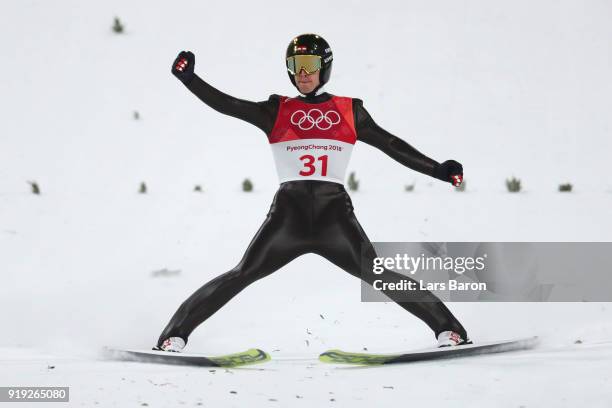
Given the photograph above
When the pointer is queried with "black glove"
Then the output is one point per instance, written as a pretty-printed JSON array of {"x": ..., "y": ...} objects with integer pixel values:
[
  {"x": 449, "y": 171},
  {"x": 183, "y": 65}
]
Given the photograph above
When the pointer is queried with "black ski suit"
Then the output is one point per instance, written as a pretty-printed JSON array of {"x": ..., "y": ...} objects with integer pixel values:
[{"x": 306, "y": 216}]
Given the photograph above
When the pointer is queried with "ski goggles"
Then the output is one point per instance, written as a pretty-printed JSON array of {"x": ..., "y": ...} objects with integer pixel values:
[{"x": 309, "y": 63}]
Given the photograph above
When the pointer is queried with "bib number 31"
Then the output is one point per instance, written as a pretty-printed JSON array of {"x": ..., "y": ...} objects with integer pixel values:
[{"x": 309, "y": 165}]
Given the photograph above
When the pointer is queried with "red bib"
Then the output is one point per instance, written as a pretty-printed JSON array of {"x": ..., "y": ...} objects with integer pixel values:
[{"x": 313, "y": 141}]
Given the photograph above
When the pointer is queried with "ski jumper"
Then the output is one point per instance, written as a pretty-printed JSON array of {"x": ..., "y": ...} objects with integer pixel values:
[{"x": 311, "y": 139}]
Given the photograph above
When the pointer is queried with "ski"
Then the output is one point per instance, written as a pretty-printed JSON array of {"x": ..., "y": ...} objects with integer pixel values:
[
  {"x": 251, "y": 356},
  {"x": 343, "y": 357}
]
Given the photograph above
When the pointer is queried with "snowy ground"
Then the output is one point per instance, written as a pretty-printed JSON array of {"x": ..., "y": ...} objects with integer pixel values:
[
  {"x": 80, "y": 280},
  {"x": 507, "y": 89},
  {"x": 562, "y": 376}
]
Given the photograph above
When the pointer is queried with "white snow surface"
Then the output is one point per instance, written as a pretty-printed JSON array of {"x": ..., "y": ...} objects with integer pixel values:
[{"x": 517, "y": 88}]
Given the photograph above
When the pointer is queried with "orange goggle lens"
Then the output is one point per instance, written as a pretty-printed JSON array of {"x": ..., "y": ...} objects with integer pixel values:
[{"x": 309, "y": 63}]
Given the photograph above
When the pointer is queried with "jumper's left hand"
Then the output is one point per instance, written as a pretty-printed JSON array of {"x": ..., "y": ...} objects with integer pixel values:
[
  {"x": 457, "y": 179},
  {"x": 450, "y": 171}
]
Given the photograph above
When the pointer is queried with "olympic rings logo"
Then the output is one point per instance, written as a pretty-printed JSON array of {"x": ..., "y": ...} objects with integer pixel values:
[{"x": 315, "y": 117}]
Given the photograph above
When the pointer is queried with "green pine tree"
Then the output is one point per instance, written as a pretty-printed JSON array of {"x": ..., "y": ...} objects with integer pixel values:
[
  {"x": 118, "y": 26},
  {"x": 353, "y": 183},
  {"x": 35, "y": 188},
  {"x": 513, "y": 185}
]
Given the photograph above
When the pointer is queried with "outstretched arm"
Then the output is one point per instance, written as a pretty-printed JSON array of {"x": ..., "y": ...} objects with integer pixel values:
[
  {"x": 260, "y": 114},
  {"x": 369, "y": 132}
]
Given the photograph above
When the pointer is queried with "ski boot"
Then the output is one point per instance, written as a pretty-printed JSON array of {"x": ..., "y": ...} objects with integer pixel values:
[
  {"x": 172, "y": 344},
  {"x": 451, "y": 338}
]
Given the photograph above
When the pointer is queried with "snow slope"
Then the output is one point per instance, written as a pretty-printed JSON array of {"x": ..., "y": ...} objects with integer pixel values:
[{"x": 518, "y": 88}]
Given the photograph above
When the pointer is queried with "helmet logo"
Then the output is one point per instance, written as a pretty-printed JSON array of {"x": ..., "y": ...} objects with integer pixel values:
[{"x": 315, "y": 117}]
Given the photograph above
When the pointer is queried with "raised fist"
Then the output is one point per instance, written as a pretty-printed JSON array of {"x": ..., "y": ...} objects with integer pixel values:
[
  {"x": 450, "y": 171},
  {"x": 183, "y": 65}
]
